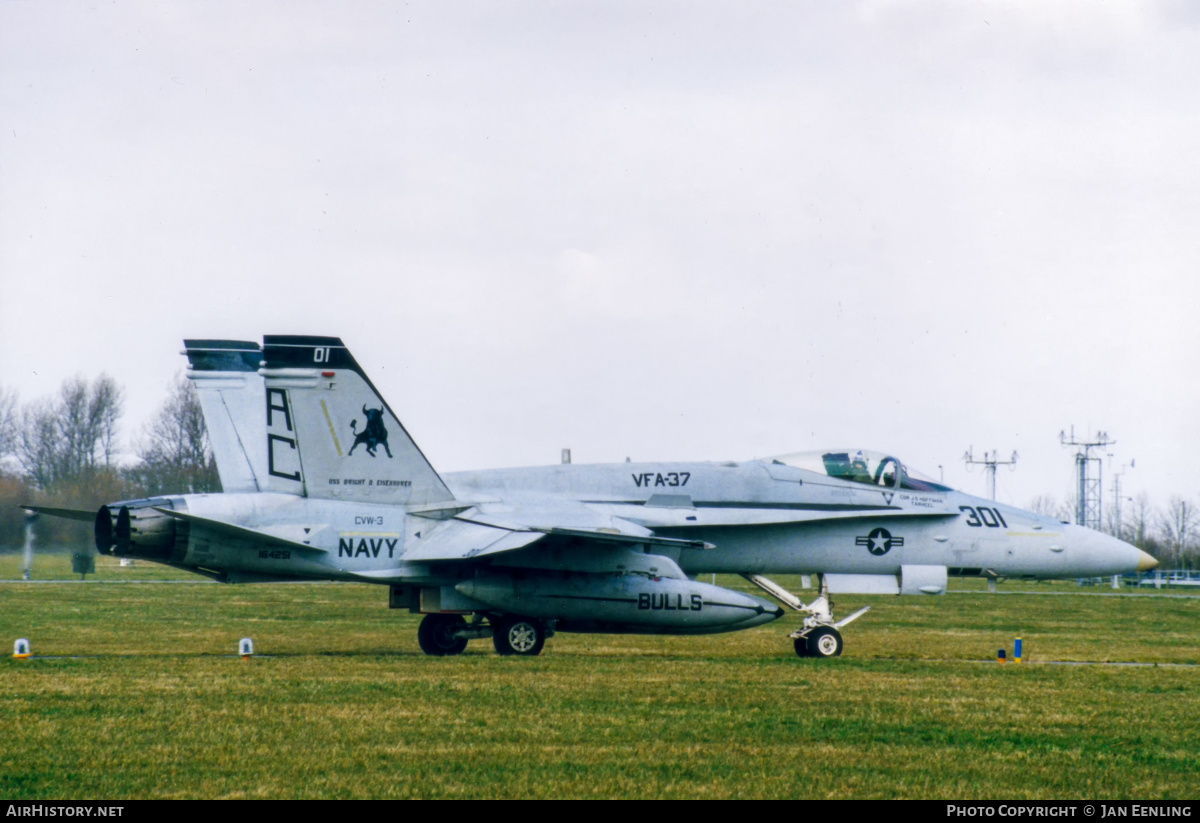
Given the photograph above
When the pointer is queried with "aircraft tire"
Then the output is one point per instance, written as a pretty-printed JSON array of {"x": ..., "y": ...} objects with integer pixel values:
[
  {"x": 436, "y": 635},
  {"x": 518, "y": 635},
  {"x": 825, "y": 641},
  {"x": 801, "y": 645}
]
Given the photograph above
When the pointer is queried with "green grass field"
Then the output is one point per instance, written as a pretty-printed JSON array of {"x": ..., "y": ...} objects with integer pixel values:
[{"x": 135, "y": 690}]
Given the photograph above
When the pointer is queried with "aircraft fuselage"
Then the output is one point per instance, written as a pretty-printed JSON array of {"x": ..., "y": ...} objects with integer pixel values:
[
  {"x": 761, "y": 519},
  {"x": 325, "y": 483}
]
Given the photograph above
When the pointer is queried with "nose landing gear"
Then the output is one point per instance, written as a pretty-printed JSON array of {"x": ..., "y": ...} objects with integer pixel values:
[
  {"x": 823, "y": 641},
  {"x": 820, "y": 636}
]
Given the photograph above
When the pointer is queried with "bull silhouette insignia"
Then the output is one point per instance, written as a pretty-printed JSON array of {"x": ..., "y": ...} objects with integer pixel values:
[{"x": 373, "y": 434}]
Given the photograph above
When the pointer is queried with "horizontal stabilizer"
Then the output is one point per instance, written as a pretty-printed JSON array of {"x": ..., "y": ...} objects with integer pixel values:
[
  {"x": 242, "y": 533},
  {"x": 70, "y": 514}
]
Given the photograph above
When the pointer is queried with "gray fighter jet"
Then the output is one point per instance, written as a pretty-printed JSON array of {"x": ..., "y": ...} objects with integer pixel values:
[{"x": 323, "y": 482}]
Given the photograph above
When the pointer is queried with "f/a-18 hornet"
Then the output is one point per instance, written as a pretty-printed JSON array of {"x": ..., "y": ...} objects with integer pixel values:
[{"x": 321, "y": 481}]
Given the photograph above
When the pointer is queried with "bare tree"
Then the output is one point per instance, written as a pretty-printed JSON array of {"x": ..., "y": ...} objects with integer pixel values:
[
  {"x": 88, "y": 416},
  {"x": 65, "y": 447},
  {"x": 105, "y": 407},
  {"x": 76, "y": 441},
  {"x": 1139, "y": 524},
  {"x": 175, "y": 454},
  {"x": 1117, "y": 519},
  {"x": 1044, "y": 504},
  {"x": 37, "y": 449},
  {"x": 1068, "y": 510},
  {"x": 9, "y": 423},
  {"x": 67, "y": 439},
  {"x": 1177, "y": 525}
]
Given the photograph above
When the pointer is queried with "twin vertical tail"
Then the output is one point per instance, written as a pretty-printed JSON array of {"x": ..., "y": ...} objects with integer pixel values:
[
  {"x": 225, "y": 375},
  {"x": 329, "y": 433}
]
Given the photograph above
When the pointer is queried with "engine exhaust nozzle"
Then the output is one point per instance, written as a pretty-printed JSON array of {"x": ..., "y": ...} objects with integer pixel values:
[{"x": 136, "y": 528}]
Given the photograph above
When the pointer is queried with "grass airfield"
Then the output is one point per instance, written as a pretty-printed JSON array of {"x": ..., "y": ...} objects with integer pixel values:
[{"x": 135, "y": 691}]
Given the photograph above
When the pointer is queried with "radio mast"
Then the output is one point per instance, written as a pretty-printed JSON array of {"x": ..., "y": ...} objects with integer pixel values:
[
  {"x": 1087, "y": 476},
  {"x": 1117, "y": 498},
  {"x": 991, "y": 463}
]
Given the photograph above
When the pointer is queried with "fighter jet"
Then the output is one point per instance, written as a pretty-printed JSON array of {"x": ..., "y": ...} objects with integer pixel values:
[{"x": 322, "y": 482}]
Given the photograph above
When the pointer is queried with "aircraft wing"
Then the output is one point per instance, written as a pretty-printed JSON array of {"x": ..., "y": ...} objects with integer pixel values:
[
  {"x": 576, "y": 521},
  {"x": 457, "y": 539},
  {"x": 478, "y": 532}
]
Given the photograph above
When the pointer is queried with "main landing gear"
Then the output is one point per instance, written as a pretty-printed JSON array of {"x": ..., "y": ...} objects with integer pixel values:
[
  {"x": 518, "y": 635},
  {"x": 820, "y": 636},
  {"x": 442, "y": 635}
]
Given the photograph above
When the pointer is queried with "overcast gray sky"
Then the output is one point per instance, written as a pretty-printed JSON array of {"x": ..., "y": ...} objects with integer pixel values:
[{"x": 665, "y": 230}]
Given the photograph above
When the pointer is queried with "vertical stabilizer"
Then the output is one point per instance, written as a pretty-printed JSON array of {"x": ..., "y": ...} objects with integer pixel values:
[
  {"x": 331, "y": 435},
  {"x": 225, "y": 374}
]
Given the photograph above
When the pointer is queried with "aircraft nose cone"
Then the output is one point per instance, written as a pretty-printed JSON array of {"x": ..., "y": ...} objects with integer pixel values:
[{"x": 1102, "y": 554}]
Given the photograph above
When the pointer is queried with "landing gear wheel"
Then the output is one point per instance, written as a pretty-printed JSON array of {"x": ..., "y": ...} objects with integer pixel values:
[
  {"x": 801, "y": 645},
  {"x": 518, "y": 635},
  {"x": 825, "y": 641},
  {"x": 436, "y": 634}
]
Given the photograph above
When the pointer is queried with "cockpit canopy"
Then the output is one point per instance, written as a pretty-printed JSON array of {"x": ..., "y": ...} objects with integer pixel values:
[{"x": 862, "y": 466}]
